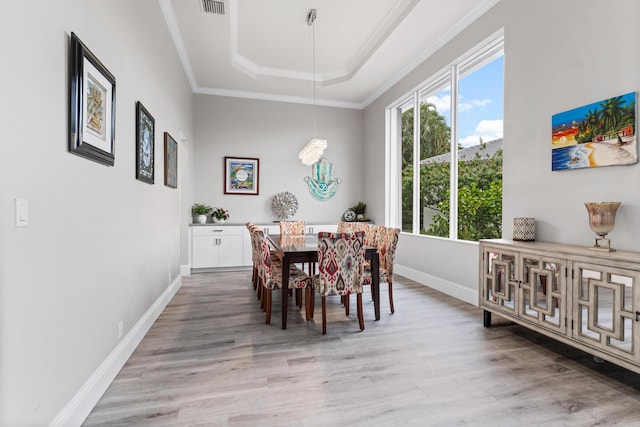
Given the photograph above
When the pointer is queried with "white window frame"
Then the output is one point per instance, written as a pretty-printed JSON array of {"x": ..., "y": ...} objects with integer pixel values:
[{"x": 486, "y": 51}]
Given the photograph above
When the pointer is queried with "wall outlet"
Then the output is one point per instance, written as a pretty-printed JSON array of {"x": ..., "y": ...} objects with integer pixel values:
[{"x": 120, "y": 329}]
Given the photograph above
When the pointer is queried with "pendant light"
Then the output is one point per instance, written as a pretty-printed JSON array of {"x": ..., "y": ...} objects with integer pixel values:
[{"x": 312, "y": 152}]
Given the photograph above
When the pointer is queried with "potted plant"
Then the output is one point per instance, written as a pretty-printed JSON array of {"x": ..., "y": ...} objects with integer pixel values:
[
  {"x": 201, "y": 211},
  {"x": 220, "y": 215},
  {"x": 359, "y": 209}
]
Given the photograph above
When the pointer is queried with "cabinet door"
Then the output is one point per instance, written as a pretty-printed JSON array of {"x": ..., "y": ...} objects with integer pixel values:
[
  {"x": 499, "y": 280},
  {"x": 605, "y": 308},
  {"x": 204, "y": 253},
  {"x": 543, "y": 291},
  {"x": 247, "y": 256},
  {"x": 230, "y": 251}
]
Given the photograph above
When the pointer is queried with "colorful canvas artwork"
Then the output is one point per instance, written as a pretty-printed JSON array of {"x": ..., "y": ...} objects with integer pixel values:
[
  {"x": 598, "y": 134},
  {"x": 241, "y": 175}
]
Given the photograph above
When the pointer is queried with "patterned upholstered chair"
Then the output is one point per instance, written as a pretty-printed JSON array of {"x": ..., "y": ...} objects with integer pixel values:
[
  {"x": 347, "y": 227},
  {"x": 291, "y": 227},
  {"x": 295, "y": 228},
  {"x": 388, "y": 242},
  {"x": 270, "y": 273},
  {"x": 340, "y": 271},
  {"x": 255, "y": 259},
  {"x": 373, "y": 234}
]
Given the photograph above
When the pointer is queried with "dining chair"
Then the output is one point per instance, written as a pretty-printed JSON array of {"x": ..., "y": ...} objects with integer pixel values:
[
  {"x": 254, "y": 255},
  {"x": 292, "y": 227},
  {"x": 340, "y": 272},
  {"x": 270, "y": 273},
  {"x": 347, "y": 227},
  {"x": 373, "y": 234},
  {"x": 387, "y": 243},
  {"x": 295, "y": 228}
]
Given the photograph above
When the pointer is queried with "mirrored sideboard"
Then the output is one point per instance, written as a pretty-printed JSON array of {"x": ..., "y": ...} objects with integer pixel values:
[{"x": 585, "y": 298}]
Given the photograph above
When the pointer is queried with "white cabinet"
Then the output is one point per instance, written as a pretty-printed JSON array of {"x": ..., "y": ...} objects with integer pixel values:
[
  {"x": 216, "y": 246},
  {"x": 585, "y": 298}
]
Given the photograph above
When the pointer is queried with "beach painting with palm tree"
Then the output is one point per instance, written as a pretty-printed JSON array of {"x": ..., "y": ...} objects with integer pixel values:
[{"x": 598, "y": 134}]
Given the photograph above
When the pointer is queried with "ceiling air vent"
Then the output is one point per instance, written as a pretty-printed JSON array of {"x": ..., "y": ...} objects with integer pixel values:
[{"x": 213, "y": 6}]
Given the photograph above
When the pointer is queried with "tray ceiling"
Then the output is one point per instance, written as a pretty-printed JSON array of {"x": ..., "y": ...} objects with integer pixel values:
[{"x": 263, "y": 49}]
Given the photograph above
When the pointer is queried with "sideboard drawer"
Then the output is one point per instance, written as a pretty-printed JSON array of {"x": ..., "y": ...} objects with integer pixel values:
[{"x": 217, "y": 230}]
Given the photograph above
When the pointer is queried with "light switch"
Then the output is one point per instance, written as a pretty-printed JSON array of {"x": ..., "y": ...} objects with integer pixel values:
[{"x": 22, "y": 212}]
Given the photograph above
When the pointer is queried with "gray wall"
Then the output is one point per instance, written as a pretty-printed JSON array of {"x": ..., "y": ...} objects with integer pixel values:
[
  {"x": 275, "y": 132},
  {"x": 558, "y": 55},
  {"x": 101, "y": 246}
]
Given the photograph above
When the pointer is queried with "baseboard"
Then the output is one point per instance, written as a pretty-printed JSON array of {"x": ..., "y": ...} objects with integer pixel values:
[
  {"x": 185, "y": 270},
  {"x": 455, "y": 290},
  {"x": 80, "y": 406}
]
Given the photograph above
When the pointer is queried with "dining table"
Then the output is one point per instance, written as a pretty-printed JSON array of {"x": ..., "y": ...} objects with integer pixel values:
[{"x": 292, "y": 249}]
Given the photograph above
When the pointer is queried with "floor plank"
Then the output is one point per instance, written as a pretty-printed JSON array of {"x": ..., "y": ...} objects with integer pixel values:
[{"x": 209, "y": 360}]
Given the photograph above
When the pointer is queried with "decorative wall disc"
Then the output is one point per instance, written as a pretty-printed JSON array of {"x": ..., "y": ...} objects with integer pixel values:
[{"x": 284, "y": 205}]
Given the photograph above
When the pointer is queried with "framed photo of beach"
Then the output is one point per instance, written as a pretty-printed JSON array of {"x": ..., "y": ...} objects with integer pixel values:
[
  {"x": 241, "y": 175},
  {"x": 92, "y": 117},
  {"x": 602, "y": 133}
]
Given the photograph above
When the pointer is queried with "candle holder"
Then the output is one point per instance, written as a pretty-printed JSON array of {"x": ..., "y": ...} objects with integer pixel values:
[{"x": 602, "y": 218}]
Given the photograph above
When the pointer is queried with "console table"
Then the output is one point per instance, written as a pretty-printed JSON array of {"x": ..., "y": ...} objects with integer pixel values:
[{"x": 585, "y": 298}]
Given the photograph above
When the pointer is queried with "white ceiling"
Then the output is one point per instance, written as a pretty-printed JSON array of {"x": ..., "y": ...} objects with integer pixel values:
[{"x": 263, "y": 49}]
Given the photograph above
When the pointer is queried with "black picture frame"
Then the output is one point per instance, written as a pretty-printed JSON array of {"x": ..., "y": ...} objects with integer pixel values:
[
  {"x": 145, "y": 144},
  {"x": 92, "y": 106},
  {"x": 170, "y": 161}
]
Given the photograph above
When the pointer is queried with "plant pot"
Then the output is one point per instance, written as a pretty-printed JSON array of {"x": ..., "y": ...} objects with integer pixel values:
[
  {"x": 202, "y": 219},
  {"x": 219, "y": 221}
]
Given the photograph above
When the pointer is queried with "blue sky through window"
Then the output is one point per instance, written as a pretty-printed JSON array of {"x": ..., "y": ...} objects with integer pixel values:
[{"x": 481, "y": 104}]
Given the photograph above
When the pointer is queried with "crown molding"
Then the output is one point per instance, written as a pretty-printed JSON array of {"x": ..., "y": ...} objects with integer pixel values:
[{"x": 469, "y": 19}]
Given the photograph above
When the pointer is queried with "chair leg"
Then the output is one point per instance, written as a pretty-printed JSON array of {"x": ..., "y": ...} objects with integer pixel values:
[
  {"x": 391, "y": 297},
  {"x": 345, "y": 301},
  {"x": 324, "y": 315},
  {"x": 299, "y": 297},
  {"x": 307, "y": 303},
  {"x": 360, "y": 313},
  {"x": 254, "y": 277},
  {"x": 267, "y": 297},
  {"x": 312, "y": 302},
  {"x": 259, "y": 293}
]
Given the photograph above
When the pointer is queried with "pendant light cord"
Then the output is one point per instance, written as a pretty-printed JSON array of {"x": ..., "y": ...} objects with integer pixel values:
[{"x": 313, "y": 64}]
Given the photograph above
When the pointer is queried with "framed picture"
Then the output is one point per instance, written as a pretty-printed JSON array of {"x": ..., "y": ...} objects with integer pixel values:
[
  {"x": 145, "y": 141},
  {"x": 602, "y": 133},
  {"x": 92, "y": 105},
  {"x": 170, "y": 161},
  {"x": 241, "y": 175}
]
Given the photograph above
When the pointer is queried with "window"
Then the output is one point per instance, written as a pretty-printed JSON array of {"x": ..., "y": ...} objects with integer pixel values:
[{"x": 448, "y": 133}]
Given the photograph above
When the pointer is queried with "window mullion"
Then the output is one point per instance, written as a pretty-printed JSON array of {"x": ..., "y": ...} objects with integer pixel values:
[
  {"x": 417, "y": 204},
  {"x": 453, "y": 183}
]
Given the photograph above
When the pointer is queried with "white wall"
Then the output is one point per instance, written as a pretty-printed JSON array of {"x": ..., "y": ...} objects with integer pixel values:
[
  {"x": 275, "y": 132},
  {"x": 547, "y": 72},
  {"x": 101, "y": 246},
  {"x": 558, "y": 55}
]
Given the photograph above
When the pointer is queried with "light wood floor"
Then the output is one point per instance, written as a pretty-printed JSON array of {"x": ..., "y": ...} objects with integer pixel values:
[{"x": 210, "y": 360}]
